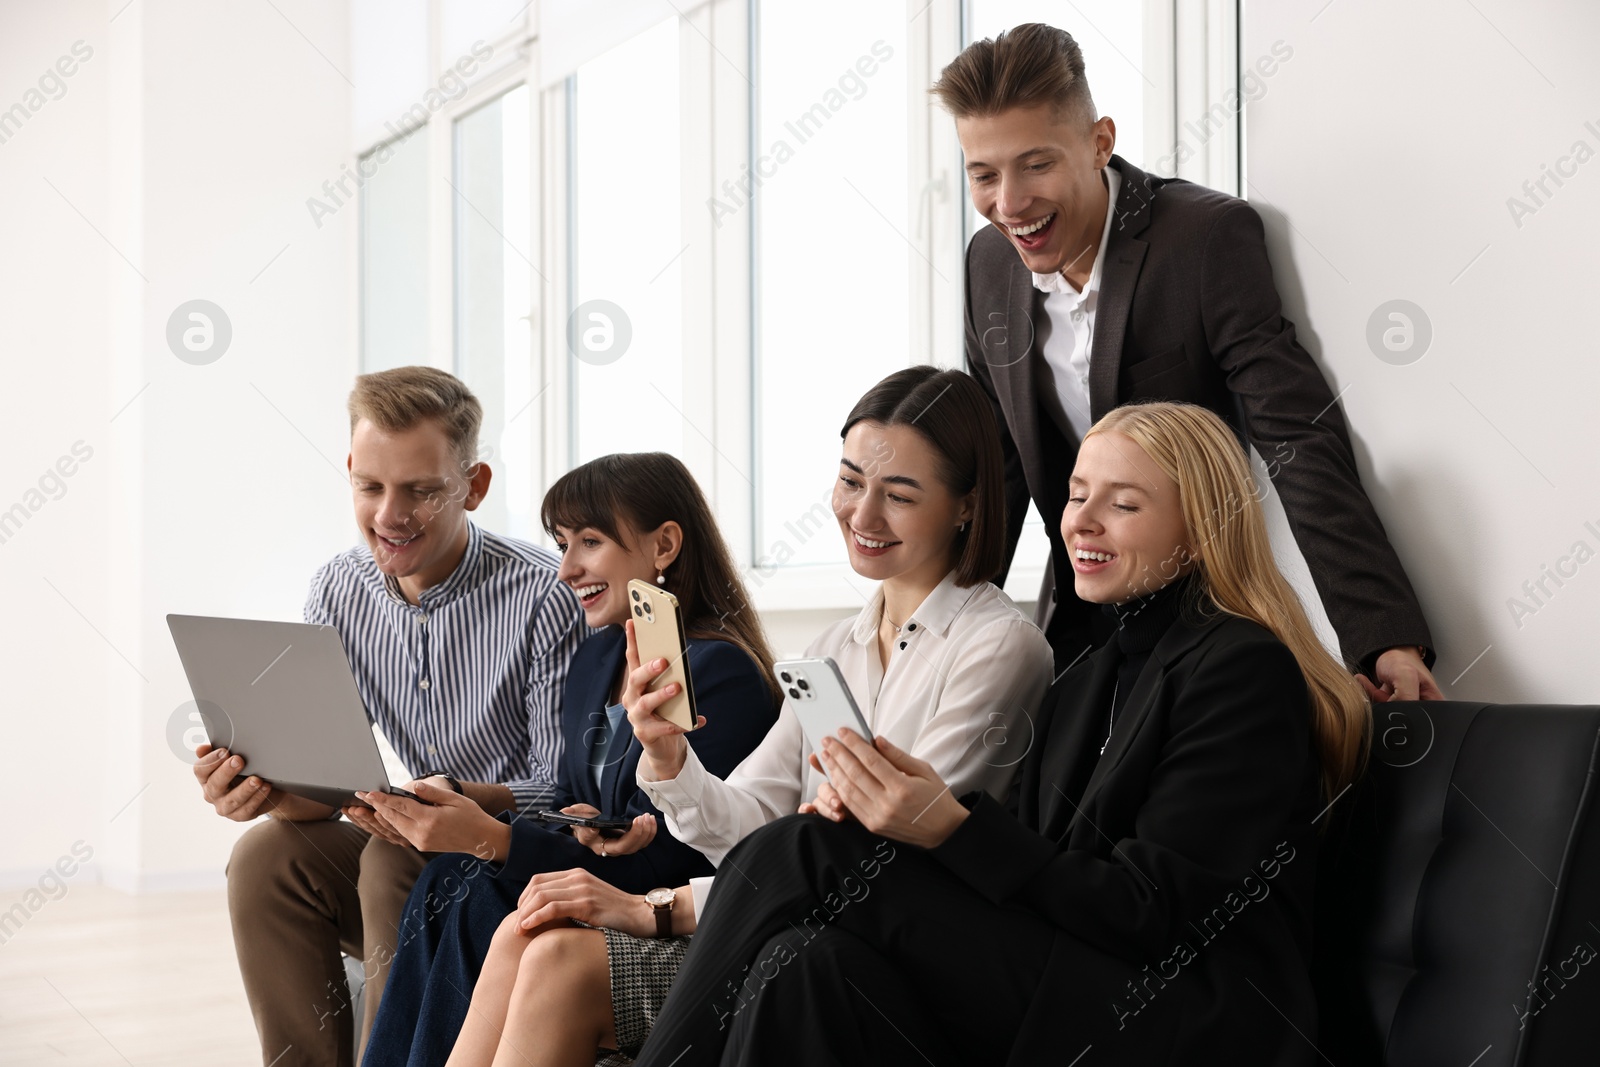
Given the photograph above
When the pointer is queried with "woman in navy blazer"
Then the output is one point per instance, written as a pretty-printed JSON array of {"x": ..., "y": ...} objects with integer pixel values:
[
  {"x": 615, "y": 518},
  {"x": 1149, "y": 902}
]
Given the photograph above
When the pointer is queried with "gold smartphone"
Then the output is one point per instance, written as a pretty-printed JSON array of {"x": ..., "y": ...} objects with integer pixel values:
[{"x": 658, "y": 628}]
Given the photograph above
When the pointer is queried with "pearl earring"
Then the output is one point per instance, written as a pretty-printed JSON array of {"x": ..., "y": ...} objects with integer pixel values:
[{"x": 661, "y": 577}]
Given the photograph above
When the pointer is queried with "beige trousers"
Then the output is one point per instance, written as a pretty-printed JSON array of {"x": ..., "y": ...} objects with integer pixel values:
[{"x": 298, "y": 894}]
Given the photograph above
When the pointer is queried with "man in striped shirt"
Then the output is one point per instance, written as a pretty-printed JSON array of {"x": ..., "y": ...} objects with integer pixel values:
[{"x": 459, "y": 640}]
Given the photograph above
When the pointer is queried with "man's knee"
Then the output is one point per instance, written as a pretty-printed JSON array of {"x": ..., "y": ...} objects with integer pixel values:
[
  {"x": 391, "y": 862},
  {"x": 388, "y": 873},
  {"x": 261, "y": 858}
]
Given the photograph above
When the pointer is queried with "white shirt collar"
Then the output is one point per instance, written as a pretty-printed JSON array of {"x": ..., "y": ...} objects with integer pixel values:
[
  {"x": 1057, "y": 282},
  {"x": 935, "y": 613}
]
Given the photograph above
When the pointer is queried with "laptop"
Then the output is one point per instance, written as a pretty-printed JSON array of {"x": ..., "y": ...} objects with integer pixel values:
[{"x": 281, "y": 695}]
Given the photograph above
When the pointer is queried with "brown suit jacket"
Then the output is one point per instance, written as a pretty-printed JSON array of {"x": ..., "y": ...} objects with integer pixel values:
[{"x": 1188, "y": 311}]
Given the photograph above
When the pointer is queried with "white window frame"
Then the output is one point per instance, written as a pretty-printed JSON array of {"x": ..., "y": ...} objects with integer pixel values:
[
  {"x": 512, "y": 62},
  {"x": 1192, "y": 54}
]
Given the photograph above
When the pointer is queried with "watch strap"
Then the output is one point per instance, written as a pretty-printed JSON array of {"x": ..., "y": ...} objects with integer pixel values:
[
  {"x": 663, "y": 917},
  {"x": 447, "y": 776}
]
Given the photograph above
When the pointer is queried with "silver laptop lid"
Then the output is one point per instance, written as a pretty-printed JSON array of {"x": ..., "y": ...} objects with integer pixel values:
[{"x": 281, "y": 695}]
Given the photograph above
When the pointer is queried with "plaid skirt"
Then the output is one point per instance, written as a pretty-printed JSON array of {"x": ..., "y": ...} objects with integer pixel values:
[{"x": 642, "y": 970}]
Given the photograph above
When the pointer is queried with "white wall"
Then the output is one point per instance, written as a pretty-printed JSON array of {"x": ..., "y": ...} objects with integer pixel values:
[
  {"x": 190, "y": 139},
  {"x": 53, "y": 323},
  {"x": 243, "y": 489},
  {"x": 1382, "y": 155}
]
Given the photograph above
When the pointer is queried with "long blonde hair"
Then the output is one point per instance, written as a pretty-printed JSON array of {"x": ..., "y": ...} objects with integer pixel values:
[{"x": 1236, "y": 568}]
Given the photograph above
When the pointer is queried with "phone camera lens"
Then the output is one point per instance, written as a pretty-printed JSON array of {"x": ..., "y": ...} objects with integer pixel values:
[
  {"x": 636, "y": 596},
  {"x": 794, "y": 693},
  {"x": 804, "y": 684},
  {"x": 784, "y": 675},
  {"x": 637, "y": 610}
]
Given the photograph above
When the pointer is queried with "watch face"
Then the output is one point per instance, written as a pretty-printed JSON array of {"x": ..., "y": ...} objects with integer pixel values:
[{"x": 659, "y": 898}]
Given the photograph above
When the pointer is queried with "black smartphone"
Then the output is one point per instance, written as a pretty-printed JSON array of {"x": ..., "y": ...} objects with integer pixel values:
[
  {"x": 393, "y": 790},
  {"x": 607, "y": 827}
]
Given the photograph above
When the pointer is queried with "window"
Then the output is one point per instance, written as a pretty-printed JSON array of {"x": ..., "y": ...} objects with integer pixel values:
[
  {"x": 624, "y": 326},
  {"x": 492, "y": 205},
  {"x": 710, "y": 235},
  {"x": 394, "y": 253},
  {"x": 829, "y": 188},
  {"x": 1112, "y": 36}
]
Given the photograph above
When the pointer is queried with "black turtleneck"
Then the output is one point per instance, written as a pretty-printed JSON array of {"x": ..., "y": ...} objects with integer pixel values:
[{"x": 1141, "y": 623}]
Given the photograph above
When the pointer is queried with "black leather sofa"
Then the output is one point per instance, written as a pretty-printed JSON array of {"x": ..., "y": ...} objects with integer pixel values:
[{"x": 1458, "y": 895}]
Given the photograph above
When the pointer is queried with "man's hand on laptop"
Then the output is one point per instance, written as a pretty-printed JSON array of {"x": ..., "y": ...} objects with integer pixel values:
[
  {"x": 215, "y": 770},
  {"x": 446, "y": 821}
]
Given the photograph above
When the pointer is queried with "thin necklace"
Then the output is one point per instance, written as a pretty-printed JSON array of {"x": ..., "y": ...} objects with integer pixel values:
[{"x": 1111, "y": 724}]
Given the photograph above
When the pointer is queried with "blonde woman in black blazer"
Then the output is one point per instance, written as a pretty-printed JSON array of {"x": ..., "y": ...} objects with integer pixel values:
[{"x": 1148, "y": 902}]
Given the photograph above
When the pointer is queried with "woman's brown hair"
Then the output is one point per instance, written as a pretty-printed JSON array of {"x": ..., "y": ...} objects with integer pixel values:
[
  {"x": 949, "y": 410},
  {"x": 639, "y": 491}
]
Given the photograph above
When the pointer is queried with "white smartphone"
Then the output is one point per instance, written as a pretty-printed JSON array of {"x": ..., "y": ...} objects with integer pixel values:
[{"x": 821, "y": 700}]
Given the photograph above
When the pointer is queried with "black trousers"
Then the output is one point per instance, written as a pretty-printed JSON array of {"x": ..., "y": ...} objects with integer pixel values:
[{"x": 823, "y": 944}]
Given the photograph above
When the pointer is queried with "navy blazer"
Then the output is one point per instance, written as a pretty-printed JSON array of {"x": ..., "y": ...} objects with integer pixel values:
[
  {"x": 1177, "y": 868},
  {"x": 739, "y": 708}
]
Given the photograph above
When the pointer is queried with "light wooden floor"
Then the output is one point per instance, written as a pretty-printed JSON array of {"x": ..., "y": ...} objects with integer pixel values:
[{"x": 100, "y": 977}]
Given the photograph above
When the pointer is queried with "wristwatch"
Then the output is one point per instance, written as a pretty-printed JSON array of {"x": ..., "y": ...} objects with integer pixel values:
[
  {"x": 447, "y": 776},
  {"x": 661, "y": 901}
]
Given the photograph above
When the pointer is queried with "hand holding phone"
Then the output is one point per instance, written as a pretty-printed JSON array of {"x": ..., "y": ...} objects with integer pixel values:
[
  {"x": 821, "y": 700},
  {"x": 658, "y": 631},
  {"x": 606, "y": 827}
]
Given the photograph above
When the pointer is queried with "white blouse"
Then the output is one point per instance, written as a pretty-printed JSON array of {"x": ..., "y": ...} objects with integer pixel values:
[{"x": 964, "y": 680}]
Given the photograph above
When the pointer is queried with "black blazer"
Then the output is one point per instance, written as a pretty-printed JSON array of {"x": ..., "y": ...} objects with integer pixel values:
[
  {"x": 739, "y": 707},
  {"x": 1177, "y": 868},
  {"x": 1188, "y": 311}
]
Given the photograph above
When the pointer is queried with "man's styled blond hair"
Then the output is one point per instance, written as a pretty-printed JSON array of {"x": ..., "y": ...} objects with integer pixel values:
[{"x": 398, "y": 399}]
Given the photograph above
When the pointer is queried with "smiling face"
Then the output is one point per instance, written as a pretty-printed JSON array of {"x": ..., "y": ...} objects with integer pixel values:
[
  {"x": 1038, "y": 180},
  {"x": 898, "y": 518},
  {"x": 598, "y": 568},
  {"x": 1123, "y": 524},
  {"x": 411, "y": 499}
]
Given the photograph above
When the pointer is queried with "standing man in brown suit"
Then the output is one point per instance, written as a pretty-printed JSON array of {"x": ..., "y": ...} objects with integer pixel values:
[{"x": 1099, "y": 285}]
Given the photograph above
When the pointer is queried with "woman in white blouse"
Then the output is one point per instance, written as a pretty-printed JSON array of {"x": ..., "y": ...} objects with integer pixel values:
[{"x": 940, "y": 661}]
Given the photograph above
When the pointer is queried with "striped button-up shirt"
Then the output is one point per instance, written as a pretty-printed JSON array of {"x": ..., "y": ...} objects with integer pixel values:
[{"x": 469, "y": 680}]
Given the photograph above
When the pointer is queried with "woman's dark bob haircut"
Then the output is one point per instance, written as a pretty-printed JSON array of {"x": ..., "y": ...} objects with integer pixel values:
[{"x": 949, "y": 410}]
